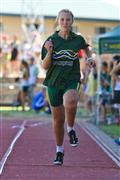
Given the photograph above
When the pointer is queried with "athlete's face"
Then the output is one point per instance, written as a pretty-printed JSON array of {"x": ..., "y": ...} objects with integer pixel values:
[{"x": 65, "y": 21}]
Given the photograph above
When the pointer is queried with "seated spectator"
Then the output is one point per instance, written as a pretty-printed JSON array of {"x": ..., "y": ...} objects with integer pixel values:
[{"x": 40, "y": 102}]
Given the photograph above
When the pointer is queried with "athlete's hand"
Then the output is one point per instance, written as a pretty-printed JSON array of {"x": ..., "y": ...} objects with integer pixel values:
[
  {"x": 90, "y": 61},
  {"x": 49, "y": 46}
]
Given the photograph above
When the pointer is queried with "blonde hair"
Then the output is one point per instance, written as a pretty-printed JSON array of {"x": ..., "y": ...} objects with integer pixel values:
[{"x": 66, "y": 11}]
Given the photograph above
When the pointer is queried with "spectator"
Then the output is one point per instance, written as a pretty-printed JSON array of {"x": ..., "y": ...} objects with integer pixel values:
[
  {"x": 40, "y": 102},
  {"x": 33, "y": 75},
  {"x": 105, "y": 88},
  {"x": 14, "y": 56},
  {"x": 4, "y": 58},
  {"x": 24, "y": 84},
  {"x": 116, "y": 84}
]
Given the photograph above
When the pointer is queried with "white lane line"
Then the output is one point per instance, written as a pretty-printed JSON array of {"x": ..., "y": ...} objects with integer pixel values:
[
  {"x": 32, "y": 124},
  {"x": 9, "y": 150},
  {"x": 15, "y": 126},
  {"x": 37, "y": 124},
  {"x": 103, "y": 146}
]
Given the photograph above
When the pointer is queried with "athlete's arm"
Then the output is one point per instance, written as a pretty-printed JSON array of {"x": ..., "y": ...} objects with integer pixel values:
[
  {"x": 89, "y": 59},
  {"x": 47, "y": 61},
  {"x": 88, "y": 52}
]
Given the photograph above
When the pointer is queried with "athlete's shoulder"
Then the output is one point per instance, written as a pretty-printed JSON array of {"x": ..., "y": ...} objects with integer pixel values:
[
  {"x": 78, "y": 35},
  {"x": 54, "y": 35},
  {"x": 51, "y": 37}
]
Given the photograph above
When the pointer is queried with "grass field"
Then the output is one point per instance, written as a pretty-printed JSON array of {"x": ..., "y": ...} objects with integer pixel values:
[
  {"x": 113, "y": 130},
  {"x": 17, "y": 112},
  {"x": 9, "y": 112}
]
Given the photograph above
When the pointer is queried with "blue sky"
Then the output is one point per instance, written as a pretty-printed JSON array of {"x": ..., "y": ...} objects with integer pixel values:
[{"x": 103, "y": 9}]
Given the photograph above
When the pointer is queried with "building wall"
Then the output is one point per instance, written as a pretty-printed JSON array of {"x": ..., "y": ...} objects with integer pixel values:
[{"x": 12, "y": 25}]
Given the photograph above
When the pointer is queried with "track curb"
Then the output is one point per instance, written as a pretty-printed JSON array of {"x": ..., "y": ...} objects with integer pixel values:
[{"x": 103, "y": 140}]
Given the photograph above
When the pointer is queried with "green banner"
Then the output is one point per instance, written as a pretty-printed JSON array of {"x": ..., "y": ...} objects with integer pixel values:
[{"x": 109, "y": 46}]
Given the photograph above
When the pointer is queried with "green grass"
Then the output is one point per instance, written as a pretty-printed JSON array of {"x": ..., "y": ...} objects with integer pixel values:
[
  {"x": 17, "y": 112},
  {"x": 22, "y": 114},
  {"x": 81, "y": 112},
  {"x": 112, "y": 130}
]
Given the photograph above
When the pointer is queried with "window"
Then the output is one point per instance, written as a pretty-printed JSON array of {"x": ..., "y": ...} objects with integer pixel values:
[
  {"x": 75, "y": 29},
  {"x": 1, "y": 27},
  {"x": 102, "y": 30}
]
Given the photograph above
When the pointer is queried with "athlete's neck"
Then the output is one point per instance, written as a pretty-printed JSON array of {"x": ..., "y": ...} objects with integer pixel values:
[{"x": 64, "y": 34}]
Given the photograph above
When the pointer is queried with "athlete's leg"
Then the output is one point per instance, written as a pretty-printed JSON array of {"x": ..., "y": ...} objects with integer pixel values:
[
  {"x": 70, "y": 98},
  {"x": 56, "y": 101},
  {"x": 58, "y": 123}
]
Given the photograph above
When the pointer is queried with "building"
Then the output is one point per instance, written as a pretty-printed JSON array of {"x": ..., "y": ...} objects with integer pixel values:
[{"x": 12, "y": 24}]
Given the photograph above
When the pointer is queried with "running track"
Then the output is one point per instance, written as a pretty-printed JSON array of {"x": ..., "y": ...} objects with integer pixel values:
[{"x": 33, "y": 153}]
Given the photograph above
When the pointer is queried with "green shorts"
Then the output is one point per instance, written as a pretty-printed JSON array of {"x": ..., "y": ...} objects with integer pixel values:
[{"x": 56, "y": 95}]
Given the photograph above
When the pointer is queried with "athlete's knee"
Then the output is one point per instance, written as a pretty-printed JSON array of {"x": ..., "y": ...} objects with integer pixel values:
[
  {"x": 59, "y": 121},
  {"x": 71, "y": 100},
  {"x": 71, "y": 105}
]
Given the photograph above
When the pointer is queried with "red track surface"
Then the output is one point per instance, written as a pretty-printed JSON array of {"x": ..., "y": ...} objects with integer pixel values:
[
  {"x": 7, "y": 133},
  {"x": 33, "y": 154}
]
